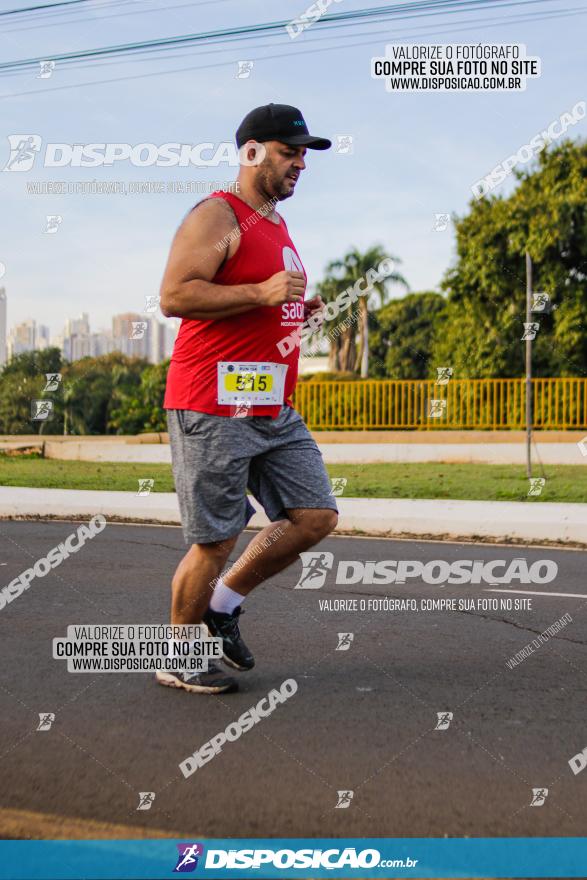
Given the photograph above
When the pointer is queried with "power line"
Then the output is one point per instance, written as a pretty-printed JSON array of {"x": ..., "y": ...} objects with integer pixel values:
[
  {"x": 281, "y": 55},
  {"x": 312, "y": 40},
  {"x": 78, "y": 15},
  {"x": 43, "y": 6},
  {"x": 224, "y": 44},
  {"x": 393, "y": 10}
]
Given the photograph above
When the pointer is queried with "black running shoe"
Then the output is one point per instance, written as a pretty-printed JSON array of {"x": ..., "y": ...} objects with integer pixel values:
[
  {"x": 225, "y": 627},
  {"x": 214, "y": 681}
]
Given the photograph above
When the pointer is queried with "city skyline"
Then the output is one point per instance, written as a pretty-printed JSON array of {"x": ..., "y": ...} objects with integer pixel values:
[{"x": 133, "y": 333}]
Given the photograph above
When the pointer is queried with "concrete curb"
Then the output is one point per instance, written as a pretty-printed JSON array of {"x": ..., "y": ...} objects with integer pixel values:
[
  {"x": 450, "y": 453},
  {"x": 502, "y": 521},
  {"x": 332, "y": 453}
]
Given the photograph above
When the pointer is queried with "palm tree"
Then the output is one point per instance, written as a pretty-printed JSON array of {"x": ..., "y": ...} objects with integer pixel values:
[
  {"x": 345, "y": 354},
  {"x": 73, "y": 415}
]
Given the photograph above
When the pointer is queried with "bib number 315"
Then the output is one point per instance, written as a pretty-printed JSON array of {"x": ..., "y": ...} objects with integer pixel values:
[{"x": 258, "y": 383}]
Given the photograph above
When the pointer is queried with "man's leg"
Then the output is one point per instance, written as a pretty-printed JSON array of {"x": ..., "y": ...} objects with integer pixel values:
[
  {"x": 193, "y": 582},
  {"x": 270, "y": 551},
  {"x": 277, "y": 546},
  {"x": 192, "y": 586},
  {"x": 210, "y": 458}
]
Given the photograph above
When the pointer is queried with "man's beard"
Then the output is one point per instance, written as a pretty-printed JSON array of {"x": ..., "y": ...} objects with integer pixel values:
[
  {"x": 273, "y": 188},
  {"x": 285, "y": 195}
]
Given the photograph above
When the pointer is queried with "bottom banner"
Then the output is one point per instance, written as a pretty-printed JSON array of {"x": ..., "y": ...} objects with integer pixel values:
[{"x": 292, "y": 857}]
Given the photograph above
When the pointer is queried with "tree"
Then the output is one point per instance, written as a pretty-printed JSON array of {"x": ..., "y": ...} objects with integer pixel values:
[
  {"x": 92, "y": 387},
  {"x": 402, "y": 336},
  {"x": 33, "y": 363},
  {"x": 23, "y": 380},
  {"x": 546, "y": 215},
  {"x": 95, "y": 395},
  {"x": 345, "y": 354},
  {"x": 139, "y": 409}
]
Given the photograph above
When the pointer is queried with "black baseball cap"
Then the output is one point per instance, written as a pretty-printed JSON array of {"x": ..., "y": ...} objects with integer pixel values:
[{"x": 278, "y": 122}]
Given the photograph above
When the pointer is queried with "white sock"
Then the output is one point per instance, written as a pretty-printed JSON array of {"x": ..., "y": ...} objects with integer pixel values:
[{"x": 224, "y": 600}]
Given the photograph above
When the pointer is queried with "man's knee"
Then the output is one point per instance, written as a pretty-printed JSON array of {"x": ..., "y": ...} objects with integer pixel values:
[
  {"x": 215, "y": 554},
  {"x": 316, "y": 524}
]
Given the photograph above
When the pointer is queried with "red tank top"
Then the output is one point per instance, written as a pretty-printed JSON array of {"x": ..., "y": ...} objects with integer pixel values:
[{"x": 264, "y": 249}]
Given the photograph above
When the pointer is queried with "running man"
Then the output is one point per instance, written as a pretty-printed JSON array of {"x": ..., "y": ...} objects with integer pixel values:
[{"x": 235, "y": 278}]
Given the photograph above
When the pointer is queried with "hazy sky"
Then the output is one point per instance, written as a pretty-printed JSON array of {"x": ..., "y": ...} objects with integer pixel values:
[{"x": 414, "y": 154}]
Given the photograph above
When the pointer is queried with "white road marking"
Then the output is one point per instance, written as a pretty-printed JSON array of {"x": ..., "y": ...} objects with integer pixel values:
[{"x": 535, "y": 593}]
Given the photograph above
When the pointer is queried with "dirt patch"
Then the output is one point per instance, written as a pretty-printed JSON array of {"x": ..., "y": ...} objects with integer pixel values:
[{"x": 36, "y": 451}]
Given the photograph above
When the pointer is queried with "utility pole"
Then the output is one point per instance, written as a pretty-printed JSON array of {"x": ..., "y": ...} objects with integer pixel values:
[
  {"x": 365, "y": 339},
  {"x": 528, "y": 366}
]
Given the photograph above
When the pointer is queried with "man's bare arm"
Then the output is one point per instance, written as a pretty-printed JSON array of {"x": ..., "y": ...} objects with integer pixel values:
[
  {"x": 203, "y": 240},
  {"x": 198, "y": 250}
]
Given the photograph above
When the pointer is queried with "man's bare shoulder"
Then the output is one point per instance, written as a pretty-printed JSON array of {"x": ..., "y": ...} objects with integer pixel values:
[{"x": 211, "y": 212}]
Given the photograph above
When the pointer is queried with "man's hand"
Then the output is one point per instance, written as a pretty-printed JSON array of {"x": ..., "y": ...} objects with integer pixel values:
[
  {"x": 281, "y": 288},
  {"x": 314, "y": 309},
  {"x": 313, "y": 306}
]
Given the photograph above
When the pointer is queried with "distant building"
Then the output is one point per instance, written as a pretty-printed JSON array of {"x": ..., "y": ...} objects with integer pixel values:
[
  {"x": 78, "y": 347},
  {"x": 42, "y": 337},
  {"x": 101, "y": 343},
  {"x": 22, "y": 337},
  {"x": 156, "y": 340},
  {"x": 78, "y": 326},
  {"x": 133, "y": 335},
  {"x": 317, "y": 364},
  {"x": 76, "y": 338},
  {"x": 162, "y": 339},
  {"x": 171, "y": 331},
  {"x": 143, "y": 336}
]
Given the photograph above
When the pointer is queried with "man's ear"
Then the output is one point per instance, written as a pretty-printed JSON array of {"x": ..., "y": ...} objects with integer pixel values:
[{"x": 252, "y": 153}]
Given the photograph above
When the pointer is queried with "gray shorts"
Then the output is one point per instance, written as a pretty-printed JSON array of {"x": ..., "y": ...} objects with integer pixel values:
[{"x": 216, "y": 458}]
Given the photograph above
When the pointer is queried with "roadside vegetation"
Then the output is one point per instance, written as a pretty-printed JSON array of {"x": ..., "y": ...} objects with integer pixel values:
[{"x": 475, "y": 482}]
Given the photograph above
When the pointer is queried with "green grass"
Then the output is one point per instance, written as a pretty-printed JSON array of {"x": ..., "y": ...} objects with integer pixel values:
[{"x": 482, "y": 482}]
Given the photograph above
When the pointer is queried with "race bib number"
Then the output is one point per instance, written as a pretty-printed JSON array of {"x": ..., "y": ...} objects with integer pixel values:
[{"x": 256, "y": 383}]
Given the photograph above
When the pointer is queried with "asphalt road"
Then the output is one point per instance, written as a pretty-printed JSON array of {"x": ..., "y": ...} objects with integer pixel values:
[{"x": 363, "y": 719}]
